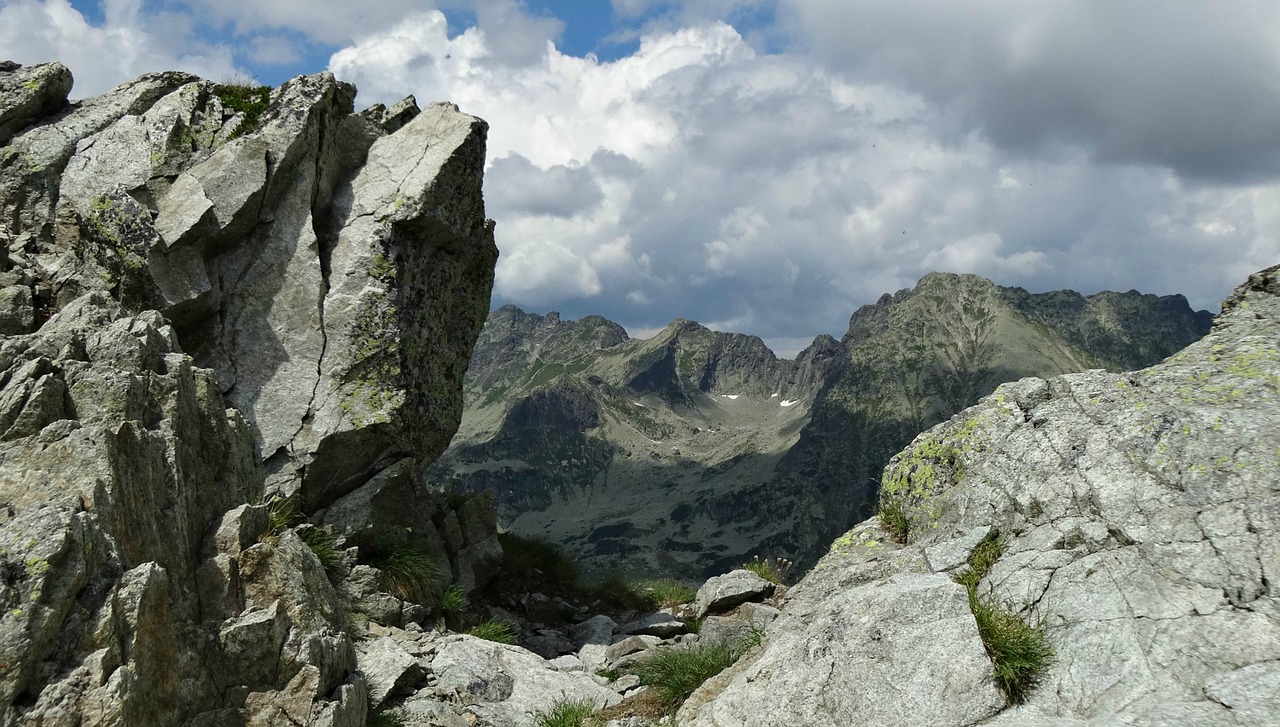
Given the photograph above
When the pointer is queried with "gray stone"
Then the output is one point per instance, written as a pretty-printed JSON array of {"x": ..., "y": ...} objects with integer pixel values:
[
  {"x": 758, "y": 615},
  {"x": 724, "y": 592},
  {"x": 598, "y": 629},
  {"x": 388, "y": 669},
  {"x": 952, "y": 554},
  {"x": 723, "y": 630},
  {"x": 399, "y": 114},
  {"x": 156, "y": 275},
  {"x": 30, "y": 94},
  {"x": 625, "y": 683},
  {"x": 16, "y": 313},
  {"x": 507, "y": 683},
  {"x": 846, "y": 665},
  {"x": 662, "y": 625},
  {"x": 549, "y": 644},
  {"x": 626, "y": 647},
  {"x": 568, "y": 662}
]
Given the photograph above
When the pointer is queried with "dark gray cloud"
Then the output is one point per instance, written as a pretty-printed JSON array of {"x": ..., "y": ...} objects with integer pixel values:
[
  {"x": 514, "y": 185},
  {"x": 1193, "y": 85}
]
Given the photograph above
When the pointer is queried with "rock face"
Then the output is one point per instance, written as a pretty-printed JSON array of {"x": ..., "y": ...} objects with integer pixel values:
[
  {"x": 1138, "y": 519},
  {"x": 201, "y": 308},
  {"x": 694, "y": 450}
]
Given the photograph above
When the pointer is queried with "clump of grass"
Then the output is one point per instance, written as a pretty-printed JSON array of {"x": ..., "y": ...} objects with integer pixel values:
[
  {"x": 612, "y": 675},
  {"x": 566, "y": 713},
  {"x": 981, "y": 559},
  {"x": 497, "y": 630},
  {"x": 408, "y": 572},
  {"x": 244, "y": 96},
  {"x": 323, "y": 544},
  {"x": 774, "y": 570},
  {"x": 455, "y": 499},
  {"x": 674, "y": 673},
  {"x": 525, "y": 555},
  {"x": 893, "y": 517},
  {"x": 454, "y": 600},
  {"x": 623, "y": 591},
  {"x": 1019, "y": 651},
  {"x": 666, "y": 592},
  {"x": 281, "y": 512}
]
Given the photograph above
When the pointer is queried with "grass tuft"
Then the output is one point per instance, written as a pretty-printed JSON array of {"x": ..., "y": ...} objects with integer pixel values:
[
  {"x": 666, "y": 592},
  {"x": 323, "y": 544},
  {"x": 566, "y": 713},
  {"x": 674, "y": 673},
  {"x": 454, "y": 600},
  {"x": 281, "y": 513},
  {"x": 242, "y": 96},
  {"x": 622, "y": 591},
  {"x": 1019, "y": 651},
  {"x": 408, "y": 573},
  {"x": 774, "y": 570},
  {"x": 981, "y": 559},
  {"x": 893, "y": 517},
  {"x": 497, "y": 630}
]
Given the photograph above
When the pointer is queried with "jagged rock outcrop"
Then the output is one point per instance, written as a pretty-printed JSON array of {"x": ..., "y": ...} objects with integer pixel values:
[
  {"x": 1137, "y": 517},
  {"x": 210, "y": 296}
]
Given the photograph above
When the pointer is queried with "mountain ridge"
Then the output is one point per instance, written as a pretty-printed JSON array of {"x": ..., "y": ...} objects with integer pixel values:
[{"x": 658, "y": 404}]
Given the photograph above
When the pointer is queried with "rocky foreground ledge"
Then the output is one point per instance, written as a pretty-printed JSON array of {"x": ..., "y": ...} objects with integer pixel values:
[{"x": 1140, "y": 520}]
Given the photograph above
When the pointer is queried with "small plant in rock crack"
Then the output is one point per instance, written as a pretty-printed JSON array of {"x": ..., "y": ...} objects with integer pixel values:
[
  {"x": 454, "y": 600},
  {"x": 612, "y": 675},
  {"x": 774, "y": 570},
  {"x": 1019, "y": 651},
  {"x": 323, "y": 544},
  {"x": 496, "y": 630},
  {"x": 893, "y": 517},
  {"x": 566, "y": 713},
  {"x": 281, "y": 513},
  {"x": 408, "y": 572}
]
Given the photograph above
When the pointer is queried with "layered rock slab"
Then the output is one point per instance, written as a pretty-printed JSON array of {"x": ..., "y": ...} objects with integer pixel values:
[{"x": 1138, "y": 513}]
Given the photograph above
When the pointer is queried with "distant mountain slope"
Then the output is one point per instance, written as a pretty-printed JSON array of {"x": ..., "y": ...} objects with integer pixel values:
[
  {"x": 917, "y": 357},
  {"x": 693, "y": 449}
]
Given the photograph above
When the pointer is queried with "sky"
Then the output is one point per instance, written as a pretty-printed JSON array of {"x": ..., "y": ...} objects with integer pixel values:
[{"x": 767, "y": 166}]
